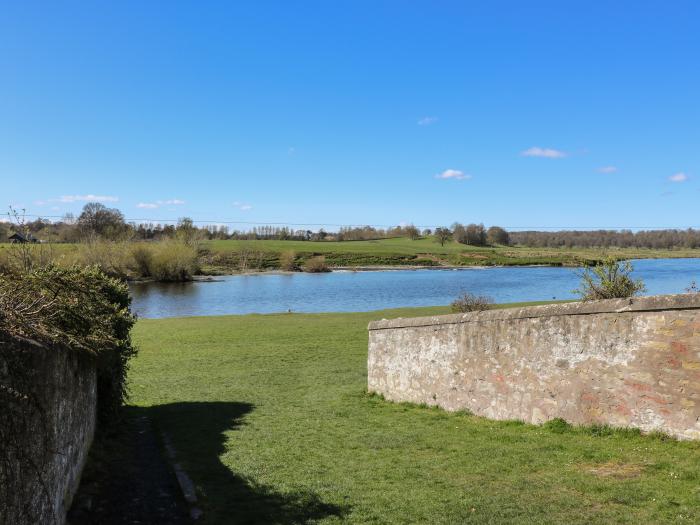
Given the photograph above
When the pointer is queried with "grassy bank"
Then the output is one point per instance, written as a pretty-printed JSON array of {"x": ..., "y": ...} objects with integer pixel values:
[
  {"x": 231, "y": 256},
  {"x": 270, "y": 417},
  {"x": 171, "y": 260}
]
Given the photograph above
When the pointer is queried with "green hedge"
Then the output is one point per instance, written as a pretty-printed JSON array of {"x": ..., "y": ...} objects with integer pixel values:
[{"x": 76, "y": 308}]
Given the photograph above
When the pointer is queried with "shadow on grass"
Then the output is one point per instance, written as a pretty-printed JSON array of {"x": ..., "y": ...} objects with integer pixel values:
[{"x": 198, "y": 431}]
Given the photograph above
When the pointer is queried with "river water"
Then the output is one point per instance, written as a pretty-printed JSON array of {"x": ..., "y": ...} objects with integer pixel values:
[{"x": 346, "y": 291}]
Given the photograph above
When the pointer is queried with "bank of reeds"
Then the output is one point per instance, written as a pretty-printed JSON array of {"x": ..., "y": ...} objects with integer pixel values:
[{"x": 168, "y": 260}]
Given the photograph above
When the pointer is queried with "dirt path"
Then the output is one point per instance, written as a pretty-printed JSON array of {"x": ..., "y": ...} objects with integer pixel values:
[{"x": 128, "y": 481}]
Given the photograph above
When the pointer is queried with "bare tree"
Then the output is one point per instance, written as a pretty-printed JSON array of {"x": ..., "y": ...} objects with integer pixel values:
[
  {"x": 443, "y": 235},
  {"x": 98, "y": 220},
  {"x": 21, "y": 250},
  {"x": 475, "y": 235},
  {"x": 459, "y": 233},
  {"x": 412, "y": 232},
  {"x": 497, "y": 235}
]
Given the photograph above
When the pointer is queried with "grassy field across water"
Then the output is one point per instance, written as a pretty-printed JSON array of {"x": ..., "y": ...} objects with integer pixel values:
[
  {"x": 270, "y": 416},
  {"x": 230, "y": 256}
]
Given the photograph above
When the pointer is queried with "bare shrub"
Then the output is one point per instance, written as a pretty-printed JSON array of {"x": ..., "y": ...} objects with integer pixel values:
[
  {"x": 167, "y": 260},
  {"x": 142, "y": 256},
  {"x": 469, "y": 302},
  {"x": 173, "y": 261},
  {"x": 316, "y": 265},
  {"x": 25, "y": 255},
  {"x": 250, "y": 259},
  {"x": 112, "y": 258},
  {"x": 288, "y": 261},
  {"x": 610, "y": 279}
]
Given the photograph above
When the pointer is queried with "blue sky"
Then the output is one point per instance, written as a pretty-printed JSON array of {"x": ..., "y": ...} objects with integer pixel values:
[{"x": 514, "y": 113}]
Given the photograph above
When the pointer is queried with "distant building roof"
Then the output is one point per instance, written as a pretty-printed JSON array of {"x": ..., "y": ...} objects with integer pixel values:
[{"x": 21, "y": 238}]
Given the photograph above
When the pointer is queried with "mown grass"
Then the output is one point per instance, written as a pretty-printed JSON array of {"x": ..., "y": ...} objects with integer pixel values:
[
  {"x": 421, "y": 252},
  {"x": 270, "y": 417}
]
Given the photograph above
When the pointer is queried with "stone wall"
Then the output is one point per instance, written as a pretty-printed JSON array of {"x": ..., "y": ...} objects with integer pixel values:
[
  {"x": 47, "y": 411},
  {"x": 623, "y": 362}
]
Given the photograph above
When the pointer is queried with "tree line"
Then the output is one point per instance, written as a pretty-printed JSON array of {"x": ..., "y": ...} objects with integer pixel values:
[
  {"x": 655, "y": 239},
  {"x": 96, "y": 221}
]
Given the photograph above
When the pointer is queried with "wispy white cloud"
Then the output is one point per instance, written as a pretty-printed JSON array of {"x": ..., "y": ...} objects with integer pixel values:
[
  {"x": 158, "y": 204},
  {"x": 453, "y": 174},
  {"x": 85, "y": 198},
  {"x": 607, "y": 169},
  {"x": 427, "y": 121},
  {"x": 678, "y": 177},
  {"x": 547, "y": 153},
  {"x": 291, "y": 150},
  {"x": 242, "y": 206}
]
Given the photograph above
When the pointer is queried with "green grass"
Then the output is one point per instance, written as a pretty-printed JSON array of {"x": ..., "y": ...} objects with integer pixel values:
[
  {"x": 399, "y": 245},
  {"x": 271, "y": 419},
  {"x": 223, "y": 255},
  {"x": 226, "y": 257}
]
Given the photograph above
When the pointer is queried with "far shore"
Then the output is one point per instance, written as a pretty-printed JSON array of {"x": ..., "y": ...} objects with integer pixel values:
[{"x": 212, "y": 278}]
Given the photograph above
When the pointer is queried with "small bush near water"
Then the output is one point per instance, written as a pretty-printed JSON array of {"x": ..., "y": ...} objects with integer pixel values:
[
  {"x": 316, "y": 265},
  {"x": 171, "y": 261},
  {"x": 288, "y": 261},
  {"x": 469, "y": 302},
  {"x": 610, "y": 279}
]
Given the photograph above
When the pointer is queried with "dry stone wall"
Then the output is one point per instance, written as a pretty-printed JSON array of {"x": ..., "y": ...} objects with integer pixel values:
[
  {"x": 623, "y": 362},
  {"x": 48, "y": 399}
]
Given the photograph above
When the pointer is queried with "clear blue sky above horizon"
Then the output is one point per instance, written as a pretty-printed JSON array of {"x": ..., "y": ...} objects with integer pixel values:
[{"x": 542, "y": 114}]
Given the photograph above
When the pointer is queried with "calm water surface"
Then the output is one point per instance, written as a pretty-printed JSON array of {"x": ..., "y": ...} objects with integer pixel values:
[{"x": 364, "y": 291}]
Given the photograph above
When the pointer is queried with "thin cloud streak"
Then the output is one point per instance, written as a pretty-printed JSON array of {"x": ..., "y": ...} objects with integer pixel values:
[
  {"x": 453, "y": 174},
  {"x": 242, "y": 206},
  {"x": 158, "y": 204},
  {"x": 547, "y": 153},
  {"x": 85, "y": 198},
  {"x": 678, "y": 177}
]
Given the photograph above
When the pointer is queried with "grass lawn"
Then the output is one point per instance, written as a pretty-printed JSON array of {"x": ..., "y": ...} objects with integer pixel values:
[{"x": 271, "y": 419}]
